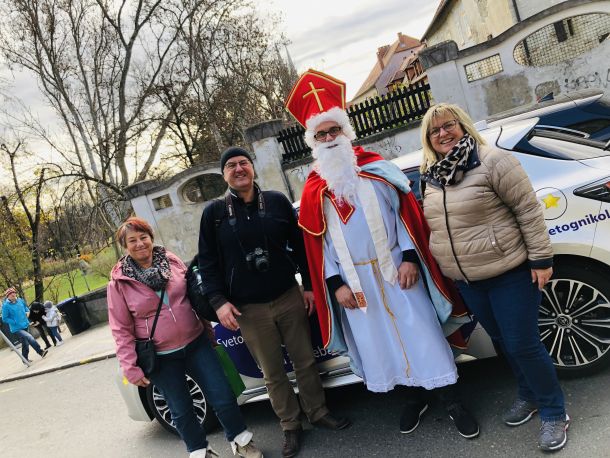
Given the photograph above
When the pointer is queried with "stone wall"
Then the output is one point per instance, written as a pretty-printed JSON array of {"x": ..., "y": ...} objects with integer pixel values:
[
  {"x": 172, "y": 210},
  {"x": 515, "y": 84},
  {"x": 528, "y": 8},
  {"x": 470, "y": 22}
]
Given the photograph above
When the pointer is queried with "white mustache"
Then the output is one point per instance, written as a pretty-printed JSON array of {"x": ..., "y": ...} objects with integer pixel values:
[{"x": 336, "y": 164}]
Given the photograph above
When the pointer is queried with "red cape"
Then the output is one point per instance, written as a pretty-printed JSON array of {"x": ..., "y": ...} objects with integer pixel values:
[{"x": 313, "y": 223}]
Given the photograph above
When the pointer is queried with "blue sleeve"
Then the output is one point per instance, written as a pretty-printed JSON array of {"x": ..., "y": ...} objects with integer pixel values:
[{"x": 6, "y": 314}]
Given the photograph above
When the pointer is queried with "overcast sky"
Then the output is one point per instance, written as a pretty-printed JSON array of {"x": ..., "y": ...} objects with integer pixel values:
[{"x": 341, "y": 37}]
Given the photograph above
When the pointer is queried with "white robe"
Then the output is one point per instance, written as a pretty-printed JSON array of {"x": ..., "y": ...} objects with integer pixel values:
[{"x": 398, "y": 340}]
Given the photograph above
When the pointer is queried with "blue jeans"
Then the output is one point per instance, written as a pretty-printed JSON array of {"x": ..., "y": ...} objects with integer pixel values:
[
  {"x": 27, "y": 339},
  {"x": 507, "y": 308},
  {"x": 55, "y": 333},
  {"x": 198, "y": 359}
]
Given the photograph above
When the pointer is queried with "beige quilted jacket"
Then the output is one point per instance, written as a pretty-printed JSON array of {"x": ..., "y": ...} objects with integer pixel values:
[{"x": 488, "y": 223}]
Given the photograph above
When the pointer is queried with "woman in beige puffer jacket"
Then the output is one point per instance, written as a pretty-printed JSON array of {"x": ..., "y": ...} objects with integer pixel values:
[{"x": 487, "y": 232}]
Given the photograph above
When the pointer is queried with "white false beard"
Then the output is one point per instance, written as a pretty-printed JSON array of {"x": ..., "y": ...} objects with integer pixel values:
[{"x": 336, "y": 164}]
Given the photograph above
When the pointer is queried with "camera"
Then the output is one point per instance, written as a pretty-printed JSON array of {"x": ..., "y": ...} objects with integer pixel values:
[{"x": 258, "y": 260}]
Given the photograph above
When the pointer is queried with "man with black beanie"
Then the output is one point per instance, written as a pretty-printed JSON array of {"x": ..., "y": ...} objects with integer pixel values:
[
  {"x": 37, "y": 312},
  {"x": 249, "y": 248}
]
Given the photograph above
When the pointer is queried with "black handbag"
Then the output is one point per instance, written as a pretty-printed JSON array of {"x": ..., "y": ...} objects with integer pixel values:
[
  {"x": 145, "y": 348},
  {"x": 195, "y": 291}
]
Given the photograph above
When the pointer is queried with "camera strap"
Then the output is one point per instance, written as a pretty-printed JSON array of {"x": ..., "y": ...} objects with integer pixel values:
[{"x": 233, "y": 216}]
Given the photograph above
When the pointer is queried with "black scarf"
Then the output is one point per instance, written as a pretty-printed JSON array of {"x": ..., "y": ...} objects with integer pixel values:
[
  {"x": 156, "y": 276},
  {"x": 450, "y": 169}
]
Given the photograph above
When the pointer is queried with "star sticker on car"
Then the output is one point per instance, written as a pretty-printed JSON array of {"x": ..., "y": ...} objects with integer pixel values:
[{"x": 550, "y": 201}]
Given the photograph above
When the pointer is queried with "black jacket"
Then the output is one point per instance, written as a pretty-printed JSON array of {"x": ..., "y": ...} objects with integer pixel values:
[
  {"x": 222, "y": 250},
  {"x": 37, "y": 311}
]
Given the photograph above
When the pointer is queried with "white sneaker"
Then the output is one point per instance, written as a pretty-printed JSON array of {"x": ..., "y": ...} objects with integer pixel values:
[
  {"x": 60, "y": 343},
  {"x": 203, "y": 453}
]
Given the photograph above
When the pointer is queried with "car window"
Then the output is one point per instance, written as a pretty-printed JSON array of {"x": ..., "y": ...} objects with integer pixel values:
[
  {"x": 413, "y": 176},
  {"x": 558, "y": 147},
  {"x": 591, "y": 126}
]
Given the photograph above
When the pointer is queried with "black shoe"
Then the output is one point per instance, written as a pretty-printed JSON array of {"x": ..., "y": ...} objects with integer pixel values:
[
  {"x": 47, "y": 347},
  {"x": 465, "y": 423},
  {"x": 44, "y": 353},
  {"x": 334, "y": 423},
  {"x": 409, "y": 420},
  {"x": 292, "y": 442}
]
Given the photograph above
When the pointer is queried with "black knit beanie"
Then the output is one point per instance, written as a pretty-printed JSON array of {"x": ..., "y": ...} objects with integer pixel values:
[{"x": 233, "y": 151}]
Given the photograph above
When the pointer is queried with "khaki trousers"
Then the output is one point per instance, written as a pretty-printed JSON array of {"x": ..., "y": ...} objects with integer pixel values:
[{"x": 265, "y": 327}]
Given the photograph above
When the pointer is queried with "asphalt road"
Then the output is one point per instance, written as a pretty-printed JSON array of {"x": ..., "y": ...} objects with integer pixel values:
[{"x": 77, "y": 412}]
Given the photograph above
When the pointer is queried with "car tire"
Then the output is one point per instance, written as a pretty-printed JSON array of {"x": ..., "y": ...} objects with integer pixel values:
[
  {"x": 574, "y": 318},
  {"x": 202, "y": 408}
]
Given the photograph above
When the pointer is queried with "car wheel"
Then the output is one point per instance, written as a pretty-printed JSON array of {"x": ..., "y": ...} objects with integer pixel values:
[
  {"x": 574, "y": 319},
  {"x": 202, "y": 408}
]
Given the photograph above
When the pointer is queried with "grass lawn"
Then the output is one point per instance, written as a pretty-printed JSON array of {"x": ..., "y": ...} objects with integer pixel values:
[{"x": 60, "y": 288}]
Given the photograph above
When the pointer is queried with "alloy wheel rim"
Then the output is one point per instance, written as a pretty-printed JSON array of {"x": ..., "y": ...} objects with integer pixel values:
[
  {"x": 199, "y": 403},
  {"x": 574, "y": 323}
]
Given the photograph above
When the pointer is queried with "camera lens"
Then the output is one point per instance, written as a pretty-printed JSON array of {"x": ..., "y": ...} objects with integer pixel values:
[{"x": 262, "y": 264}]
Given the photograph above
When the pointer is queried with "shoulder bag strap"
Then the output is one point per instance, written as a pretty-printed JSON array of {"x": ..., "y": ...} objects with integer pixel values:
[{"x": 152, "y": 331}]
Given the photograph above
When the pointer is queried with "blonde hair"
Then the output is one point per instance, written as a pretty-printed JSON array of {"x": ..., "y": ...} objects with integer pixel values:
[{"x": 439, "y": 110}]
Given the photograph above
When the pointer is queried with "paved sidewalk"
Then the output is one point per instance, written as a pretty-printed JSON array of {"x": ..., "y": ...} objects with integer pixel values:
[{"x": 91, "y": 345}]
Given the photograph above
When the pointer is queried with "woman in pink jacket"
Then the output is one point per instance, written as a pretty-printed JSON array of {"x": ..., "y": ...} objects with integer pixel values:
[{"x": 182, "y": 347}]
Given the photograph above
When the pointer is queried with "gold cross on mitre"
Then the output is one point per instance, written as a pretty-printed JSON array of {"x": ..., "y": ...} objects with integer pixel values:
[{"x": 315, "y": 91}]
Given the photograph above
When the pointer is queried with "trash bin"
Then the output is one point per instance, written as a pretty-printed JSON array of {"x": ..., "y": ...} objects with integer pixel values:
[{"x": 75, "y": 315}]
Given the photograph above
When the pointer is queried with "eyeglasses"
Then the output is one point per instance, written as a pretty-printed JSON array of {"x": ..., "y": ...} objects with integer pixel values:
[
  {"x": 447, "y": 127},
  {"x": 333, "y": 132},
  {"x": 233, "y": 165}
]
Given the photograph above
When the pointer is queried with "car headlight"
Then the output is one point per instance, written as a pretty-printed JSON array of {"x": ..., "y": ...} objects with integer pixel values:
[{"x": 598, "y": 190}]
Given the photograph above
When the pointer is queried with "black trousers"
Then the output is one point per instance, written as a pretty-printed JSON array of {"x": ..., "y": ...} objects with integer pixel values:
[
  {"x": 448, "y": 395},
  {"x": 43, "y": 331}
]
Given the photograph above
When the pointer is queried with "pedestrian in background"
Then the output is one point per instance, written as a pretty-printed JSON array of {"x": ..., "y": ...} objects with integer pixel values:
[
  {"x": 15, "y": 314},
  {"x": 142, "y": 278},
  {"x": 52, "y": 318},
  {"x": 37, "y": 313},
  {"x": 487, "y": 232}
]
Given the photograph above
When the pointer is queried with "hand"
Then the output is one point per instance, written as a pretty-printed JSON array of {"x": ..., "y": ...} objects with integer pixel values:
[
  {"x": 542, "y": 276},
  {"x": 408, "y": 274},
  {"x": 226, "y": 314},
  {"x": 310, "y": 303},
  {"x": 346, "y": 298},
  {"x": 143, "y": 382}
]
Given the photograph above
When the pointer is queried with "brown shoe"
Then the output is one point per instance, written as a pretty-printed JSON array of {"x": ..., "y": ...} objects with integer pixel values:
[
  {"x": 292, "y": 442},
  {"x": 334, "y": 423}
]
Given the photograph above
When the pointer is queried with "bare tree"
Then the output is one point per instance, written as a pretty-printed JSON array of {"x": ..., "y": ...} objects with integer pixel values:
[
  {"x": 238, "y": 78},
  {"x": 98, "y": 64},
  {"x": 15, "y": 259},
  {"x": 28, "y": 198}
]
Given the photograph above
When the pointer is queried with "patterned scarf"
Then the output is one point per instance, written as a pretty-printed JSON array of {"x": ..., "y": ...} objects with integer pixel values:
[
  {"x": 450, "y": 169},
  {"x": 156, "y": 276}
]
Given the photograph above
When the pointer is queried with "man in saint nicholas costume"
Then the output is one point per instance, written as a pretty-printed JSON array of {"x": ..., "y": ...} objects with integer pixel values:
[{"x": 380, "y": 297}]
